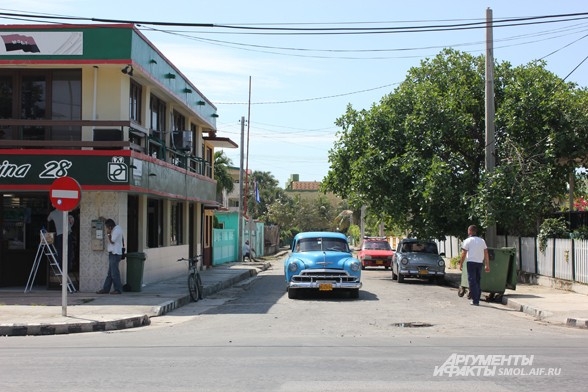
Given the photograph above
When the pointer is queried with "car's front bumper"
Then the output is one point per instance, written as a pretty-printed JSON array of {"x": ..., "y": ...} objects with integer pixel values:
[
  {"x": 326, "y": 285},
  {"x": 324, "y": 280},
  {"x": 420, "y": 272}
]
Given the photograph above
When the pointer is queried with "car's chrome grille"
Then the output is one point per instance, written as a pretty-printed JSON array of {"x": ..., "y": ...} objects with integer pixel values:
[{"x": 324, "y": 275}]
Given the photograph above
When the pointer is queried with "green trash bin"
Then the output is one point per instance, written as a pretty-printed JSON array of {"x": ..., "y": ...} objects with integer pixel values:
[
  {"x": 135, "y": 265},
  {"x": 502, "y": 275}
]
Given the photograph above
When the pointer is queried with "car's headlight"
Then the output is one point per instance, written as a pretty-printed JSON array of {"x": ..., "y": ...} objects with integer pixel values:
[
  {"x": 441, "y": 263},
  {"x": 367, "y": 257},
  {"x": 404, "y": 261},
  {"x": 292, "y": 267},
  {"x": 355, "y": 266}
]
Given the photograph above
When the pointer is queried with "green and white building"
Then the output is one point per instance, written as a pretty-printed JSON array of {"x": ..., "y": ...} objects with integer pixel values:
[{"x": 101, "y": 104}]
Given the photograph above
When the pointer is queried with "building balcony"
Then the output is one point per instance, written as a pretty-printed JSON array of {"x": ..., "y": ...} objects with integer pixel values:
[{"x": 140, "y": 164}]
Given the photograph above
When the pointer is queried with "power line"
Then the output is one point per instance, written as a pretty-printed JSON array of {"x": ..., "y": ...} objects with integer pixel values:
[
  {"x": 307, "y": 99},
  {"x": 507, "y": 22}
]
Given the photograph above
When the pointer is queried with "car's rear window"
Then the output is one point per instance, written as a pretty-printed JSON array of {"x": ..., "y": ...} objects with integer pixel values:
[
  {"x": 376, "y": 245},
  {"x": 322, "y": 244}
]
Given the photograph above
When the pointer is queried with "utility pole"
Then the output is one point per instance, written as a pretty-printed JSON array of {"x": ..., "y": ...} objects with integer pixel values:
[
  {"x": 240, "y": 223},
  {"x": 362, "y": 223},
  {"x": 490, "y": 141},
  {"x": 249, "y": 213}
]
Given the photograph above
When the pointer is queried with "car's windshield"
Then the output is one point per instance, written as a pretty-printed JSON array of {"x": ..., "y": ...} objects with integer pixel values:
[{"x": 322, "y": 244}]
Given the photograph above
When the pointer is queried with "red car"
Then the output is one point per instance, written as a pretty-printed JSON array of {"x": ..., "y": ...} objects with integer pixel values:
[{"x": 375, "y": 252}]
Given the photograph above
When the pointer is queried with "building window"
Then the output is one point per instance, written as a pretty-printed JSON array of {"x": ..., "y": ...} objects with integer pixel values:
[
  {"x": 135, "y": 102},
  {"x": 179, "y": 122},
  {"x": 154, "y": 223},
  {"x": 35, "y": 94},
  {"x": 66, "y": 103},
  {"x": 6, "y": 90},
  {"x": 157, "y": 122},
  {"x": 177, "y": 223},
  {"x": 33, "y": 100},
  {"x": 209, "y": 158}
]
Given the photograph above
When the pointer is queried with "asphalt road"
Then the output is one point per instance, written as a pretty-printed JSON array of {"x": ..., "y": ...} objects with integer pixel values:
[{"x": 414, "y": 336}]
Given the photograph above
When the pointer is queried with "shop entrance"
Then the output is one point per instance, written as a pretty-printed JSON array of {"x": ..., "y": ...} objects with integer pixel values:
[{"x": 22, "y": 216}]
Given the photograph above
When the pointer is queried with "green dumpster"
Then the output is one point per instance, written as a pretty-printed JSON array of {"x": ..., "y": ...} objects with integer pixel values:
[
  {"x": 502, "y": 275},
  {"x": 135, "y": 265}
]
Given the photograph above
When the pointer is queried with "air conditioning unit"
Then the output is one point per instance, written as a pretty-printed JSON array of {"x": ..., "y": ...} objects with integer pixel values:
[{"x": 182, "y": 140}]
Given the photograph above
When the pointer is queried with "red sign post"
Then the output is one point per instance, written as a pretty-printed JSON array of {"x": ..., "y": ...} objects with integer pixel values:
[{"x": 65, "y": 194}]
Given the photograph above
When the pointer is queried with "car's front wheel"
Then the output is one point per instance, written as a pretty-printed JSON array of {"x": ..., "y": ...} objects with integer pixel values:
[
  {"x": 400, "y": 277},
  {"x": 354, "y": 293}
]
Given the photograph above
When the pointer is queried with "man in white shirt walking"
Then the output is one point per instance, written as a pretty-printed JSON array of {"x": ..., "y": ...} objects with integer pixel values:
[{"x": 475, "y": 251}]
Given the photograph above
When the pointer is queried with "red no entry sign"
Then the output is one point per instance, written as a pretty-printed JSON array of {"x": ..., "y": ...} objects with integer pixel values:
[{"x": 65, "y": 193}]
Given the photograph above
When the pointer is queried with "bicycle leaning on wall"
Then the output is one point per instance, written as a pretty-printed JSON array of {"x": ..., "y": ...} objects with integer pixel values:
[{"x": 194, "y": 281}]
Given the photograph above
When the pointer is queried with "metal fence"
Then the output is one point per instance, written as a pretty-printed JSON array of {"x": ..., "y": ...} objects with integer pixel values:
[{"x": 565, "y": 259}]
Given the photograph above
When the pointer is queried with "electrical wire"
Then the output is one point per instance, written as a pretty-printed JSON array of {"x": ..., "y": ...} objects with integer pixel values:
[{"x": 506, "y": 22}]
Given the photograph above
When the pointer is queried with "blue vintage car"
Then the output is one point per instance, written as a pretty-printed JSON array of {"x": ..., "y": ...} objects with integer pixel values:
[{"x": 321, "y": 261}]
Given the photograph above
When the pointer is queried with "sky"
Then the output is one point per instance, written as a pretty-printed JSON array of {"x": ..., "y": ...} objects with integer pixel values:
[{"x": 291, "y": 87}]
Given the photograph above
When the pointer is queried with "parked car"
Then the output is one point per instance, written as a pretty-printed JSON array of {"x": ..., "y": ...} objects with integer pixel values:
[
  {"x": 321, "y": 261},
  {"x": 375, "y": 252},
  {"x": 420, "y": 259}
]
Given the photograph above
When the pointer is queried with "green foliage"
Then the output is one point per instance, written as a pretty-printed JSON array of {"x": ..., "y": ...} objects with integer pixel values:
[
  {"x": 580, "y": 233},
  {"x": 417, "y": 159},
  {"x": 454, "y": 262},
  {"x": 354, "y": 232},
  {"x": 552, "y": 228},
  {"x": 269, "y": 192},
  {"x": 224, "y": 181}
]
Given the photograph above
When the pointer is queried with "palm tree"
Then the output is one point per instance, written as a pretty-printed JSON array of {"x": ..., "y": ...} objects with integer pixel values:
[{"x": 224, "y": 182}]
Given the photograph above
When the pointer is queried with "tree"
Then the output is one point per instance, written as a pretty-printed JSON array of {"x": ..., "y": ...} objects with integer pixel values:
[
  {"x": 417, "y": 158},
  {"x": 224, "y": 181},
  {"x": 541, "y": 128},
  {"x": 268, "y": 191}
]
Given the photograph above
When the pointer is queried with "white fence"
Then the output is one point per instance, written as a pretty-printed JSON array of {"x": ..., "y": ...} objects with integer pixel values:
[{"x": 565, "y": 259}]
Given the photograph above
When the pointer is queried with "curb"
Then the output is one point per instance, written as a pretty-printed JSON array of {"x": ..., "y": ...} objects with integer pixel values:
[
  {"x": 577, "y": 323},
  {"x": 530, "y": 310},
  {"x": 67, "y": 328},
  {"x": 126, "y": 321}
]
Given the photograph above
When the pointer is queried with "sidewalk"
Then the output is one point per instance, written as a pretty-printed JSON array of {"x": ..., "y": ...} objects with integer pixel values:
[
  {"x": 545, "y": 303},
  {"x": 40, "y": 311}
]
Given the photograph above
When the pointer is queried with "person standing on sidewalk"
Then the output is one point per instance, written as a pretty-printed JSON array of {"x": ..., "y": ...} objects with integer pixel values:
[
  {"x": 114, "y": 238},
  {"x": 475, "y": 251},
  {"x": 247, "y": 251},
  {"x": 56, "y": 217}
]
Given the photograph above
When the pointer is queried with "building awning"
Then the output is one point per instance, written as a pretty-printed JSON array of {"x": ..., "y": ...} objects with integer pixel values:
[{"x": 220, "y": 142}]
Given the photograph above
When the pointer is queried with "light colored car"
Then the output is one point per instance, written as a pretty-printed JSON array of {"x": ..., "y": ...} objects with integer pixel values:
[
  {"x": 420, "y": 259},
  {"x": 375, "y": 252},
  {"x": 321, "y": 261}
]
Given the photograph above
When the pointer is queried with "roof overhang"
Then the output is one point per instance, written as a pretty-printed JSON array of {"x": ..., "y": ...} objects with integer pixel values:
[{"x": 220, "y": 142}]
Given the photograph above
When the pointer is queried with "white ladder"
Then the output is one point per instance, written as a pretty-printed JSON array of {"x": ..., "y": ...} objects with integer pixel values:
[{"x": 49, "y": 250}]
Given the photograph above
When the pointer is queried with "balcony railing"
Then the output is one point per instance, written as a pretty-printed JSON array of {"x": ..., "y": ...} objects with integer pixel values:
[{"x": 139, "y": 141}]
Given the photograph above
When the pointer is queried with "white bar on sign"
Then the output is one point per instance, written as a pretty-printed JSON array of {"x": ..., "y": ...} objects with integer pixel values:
[{"x": 61, "y": 193}]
